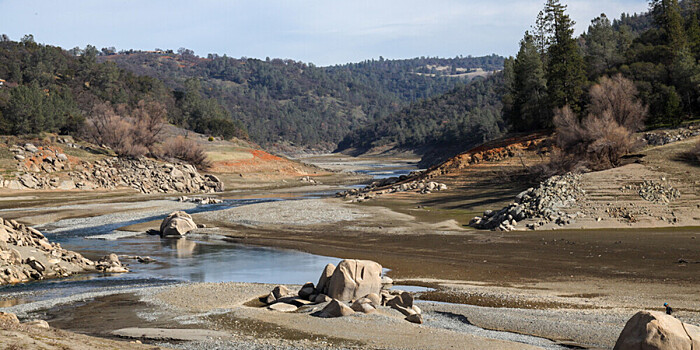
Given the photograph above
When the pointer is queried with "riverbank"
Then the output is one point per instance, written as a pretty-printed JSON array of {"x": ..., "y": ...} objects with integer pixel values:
[{"x": 573, "y": 286}]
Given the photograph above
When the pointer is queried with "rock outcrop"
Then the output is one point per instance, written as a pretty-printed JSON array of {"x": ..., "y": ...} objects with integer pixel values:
[
  {"x": 177, "y": 224},
  {"x": 391, "y": 185},
  {"x": 663, "y": 137},
  {"x": 48, "y": 168},
  {"x": 544, "y": 202},
  {"x": 27, "y": 255},
  {"x": 653, "y": 330},
  {"x": 353, "y": 279},
  {"x": 357, "y": 289}
]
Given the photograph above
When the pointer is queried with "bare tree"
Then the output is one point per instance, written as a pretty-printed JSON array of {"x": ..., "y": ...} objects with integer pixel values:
[
  {"x": 606, "y": 133},
  {"x": 186, "y": 150},
  {"x": 129, "y": 133},
  {"x": 616, "y": 95}
]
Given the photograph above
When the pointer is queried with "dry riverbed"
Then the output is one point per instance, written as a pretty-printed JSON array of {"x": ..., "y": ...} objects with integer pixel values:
[{"x": 565, "y": 286}]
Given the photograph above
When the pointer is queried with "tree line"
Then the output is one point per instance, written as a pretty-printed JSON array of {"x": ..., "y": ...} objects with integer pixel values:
[
  {"x": 658, "y": 51},
  {"x": 50, "y": 90},
  {"x": 290, "y": 102}
]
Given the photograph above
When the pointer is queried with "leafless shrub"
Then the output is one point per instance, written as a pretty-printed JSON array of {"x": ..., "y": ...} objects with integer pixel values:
[
  {"x": 616, "y": 96},
  {"x": 186, "y": 150},
  {"x": 129, "y": 133},
  {"x": 604, "y": 135}
]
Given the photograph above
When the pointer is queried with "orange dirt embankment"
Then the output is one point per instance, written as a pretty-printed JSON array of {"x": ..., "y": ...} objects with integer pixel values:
[
  {"x": 263, "y": 162},
  {"x": 493, "y": 151}
]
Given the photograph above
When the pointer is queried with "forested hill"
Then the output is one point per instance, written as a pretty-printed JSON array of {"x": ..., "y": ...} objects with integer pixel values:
[
  {"x": 464, "y": 117},
  {"x": 290, "y": 103},
  {"x": 46, "y": 89},
  {"x": 657, "y": 50}
]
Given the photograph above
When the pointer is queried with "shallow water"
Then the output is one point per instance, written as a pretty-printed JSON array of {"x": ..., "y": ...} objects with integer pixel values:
[{"x": 197, "y": 258}]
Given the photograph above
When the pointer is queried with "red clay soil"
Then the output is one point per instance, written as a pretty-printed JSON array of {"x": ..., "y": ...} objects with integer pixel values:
[{"x": 262, "y": 162}]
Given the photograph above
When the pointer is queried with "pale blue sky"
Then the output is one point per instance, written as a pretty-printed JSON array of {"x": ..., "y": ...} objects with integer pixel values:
[{"x": 324, "y": 32}]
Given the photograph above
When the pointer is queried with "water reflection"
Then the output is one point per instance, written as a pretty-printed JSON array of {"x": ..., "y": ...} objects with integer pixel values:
[{"x": 183, "y": 247}]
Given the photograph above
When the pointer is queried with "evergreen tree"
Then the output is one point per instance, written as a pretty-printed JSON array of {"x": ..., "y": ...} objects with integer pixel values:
[
  {"x": 602, "y": 47},
  {"x": 529, "y": 89},
  {"x": 566, "y": 76},
  {"x": 667, "y": 14}
]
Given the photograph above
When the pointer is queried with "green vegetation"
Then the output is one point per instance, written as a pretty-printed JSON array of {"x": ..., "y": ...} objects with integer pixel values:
[
  {"x": 290, "y": 102},
  {"x": 466, "y": 116},
  {"x": 658, "y": 51},
  {"x": 49, "y": 90}
]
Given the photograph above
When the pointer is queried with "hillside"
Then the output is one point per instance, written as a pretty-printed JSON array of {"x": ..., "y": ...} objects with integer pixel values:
[
  {"x": 662, "y": 64},
  {"x": 289, "y": 103},
  {"x": 459, "y": 119},
  {"x": 47, "y": 89}
]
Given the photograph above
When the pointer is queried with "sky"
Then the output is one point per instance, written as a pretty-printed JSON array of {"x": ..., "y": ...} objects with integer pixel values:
[{"x": 324, "y": 32}]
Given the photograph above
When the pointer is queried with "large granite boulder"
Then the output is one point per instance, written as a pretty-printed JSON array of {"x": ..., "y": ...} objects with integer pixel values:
[
  {"x": 177, "y": 224},
  {"x": 322, "y": 285},
  {"x": 353, "y": 279},
  {"x": 653, "y": 330}
]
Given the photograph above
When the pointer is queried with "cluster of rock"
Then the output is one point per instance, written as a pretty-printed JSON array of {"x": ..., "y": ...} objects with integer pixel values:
[
  {"x": 44, "y": 159},
  {"x": 177, "y": 224},
  {"x": 309, "y": 180},
  {"x": 663, "y": 137},
  {"x": 653, "y": 330},
  {"x": 354, "y": 286},
  {"x": 10, "y": 321},
  {"x": 386, "y": 186},
  {"x": 148, "y": 176},
  {"x": 144, "y": 175},
  {"x": 200, "y": 200},
  {"x": 653, "y": 191},
  {"x": 544, "y": 202},
  {"x": 26, "y": 255}
]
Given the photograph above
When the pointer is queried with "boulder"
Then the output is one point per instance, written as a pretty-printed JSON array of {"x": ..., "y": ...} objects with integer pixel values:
[
  {"x": 403, "y": 303},
  {"x": 322, "y": 298},
  {"x": 415, "y": 318},
  {"x": 31, "y": 148},
  {"x": 270, "y": 299},
  {"x": 283, "y": 307},
  {"x": 38, "y": 323},
  {"x": 322, "y": 285},
  {"x": 280, "y": 292},
  {"x": 653, "y": 330},
  {"x": 177, "y": 224},
  {"x": 353, "y": 279},
  {"x": 8, "y": 319},
  {"x": 306, "y": 290},
  {"x": 110, "y": 264},
  {"x": 375, "y": 299},
  {"x": 363, "y": 305},
  {"x": 336, "y": 308}
]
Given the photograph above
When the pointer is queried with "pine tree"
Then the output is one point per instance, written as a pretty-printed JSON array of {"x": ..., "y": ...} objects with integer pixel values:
[
  {"x": 603, "y": 50},
  {"x": 667, "y": 14},
  {"x": 566, "y": 76},
  {"x": 529, "y": 89}
]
